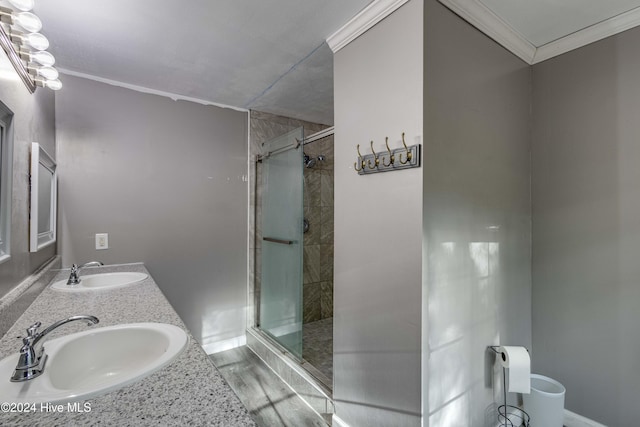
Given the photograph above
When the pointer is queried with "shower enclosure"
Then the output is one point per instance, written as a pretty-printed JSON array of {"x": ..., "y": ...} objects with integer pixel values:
[
  {"x": 294, "y": 223},
  {"x": 282, "y": 240}
]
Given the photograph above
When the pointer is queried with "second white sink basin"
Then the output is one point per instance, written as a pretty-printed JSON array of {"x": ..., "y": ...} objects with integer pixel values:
[
  {"x": 93, "y": 282},
  {"x": 86, "y": 364}
]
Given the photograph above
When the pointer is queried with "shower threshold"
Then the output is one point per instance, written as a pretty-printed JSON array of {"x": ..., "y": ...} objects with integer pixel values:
[{"x": 308, "y": 382}]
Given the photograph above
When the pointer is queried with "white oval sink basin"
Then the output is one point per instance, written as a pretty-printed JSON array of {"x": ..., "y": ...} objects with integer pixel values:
[
  {"x": 94, "y": 282},
  {"x": 86, "y": 364}
]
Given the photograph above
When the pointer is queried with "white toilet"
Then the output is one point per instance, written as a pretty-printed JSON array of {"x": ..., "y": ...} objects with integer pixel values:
[{"x": 545, "y": 403}]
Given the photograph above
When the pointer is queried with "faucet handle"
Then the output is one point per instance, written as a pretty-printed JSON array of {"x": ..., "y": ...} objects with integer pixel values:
[
  {"x": 27, "y": 344},
  {"x": 33, "y": 329},
  {"x": 28, "y": 356}
]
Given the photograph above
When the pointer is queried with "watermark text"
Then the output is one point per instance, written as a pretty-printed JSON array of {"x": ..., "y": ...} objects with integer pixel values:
[{"x": 46, "y": 407}]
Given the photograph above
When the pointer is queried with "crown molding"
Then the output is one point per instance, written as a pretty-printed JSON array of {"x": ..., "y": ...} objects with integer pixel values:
[
  {"x": 481, "y": 17},
  {"x": 601, "y": 30},
  {"x": 142, "y": 89},
  {"x": 367, "y": 18}
]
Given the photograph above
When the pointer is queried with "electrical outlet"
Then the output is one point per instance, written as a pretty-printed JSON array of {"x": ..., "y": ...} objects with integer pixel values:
[{"x": 102, "y": 241}]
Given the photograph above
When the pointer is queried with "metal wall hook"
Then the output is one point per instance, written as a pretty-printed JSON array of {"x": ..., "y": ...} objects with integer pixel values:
[
  {"x": 375, "y": 157},
  {"x": 409, "y": 154},
  {"x": 391, "y": 156},
  {"x": 360, "y": 160}
]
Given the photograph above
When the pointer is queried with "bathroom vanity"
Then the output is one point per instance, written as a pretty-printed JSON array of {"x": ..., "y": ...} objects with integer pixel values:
[{"x": 188, "y": 391}]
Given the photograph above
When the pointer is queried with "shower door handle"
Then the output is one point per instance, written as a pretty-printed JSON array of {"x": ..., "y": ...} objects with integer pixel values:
[{"x": 281, "y": 241}]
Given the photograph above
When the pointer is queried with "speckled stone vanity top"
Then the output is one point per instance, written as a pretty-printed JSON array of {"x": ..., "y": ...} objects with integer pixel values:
[{"x": 188, "y": 392}]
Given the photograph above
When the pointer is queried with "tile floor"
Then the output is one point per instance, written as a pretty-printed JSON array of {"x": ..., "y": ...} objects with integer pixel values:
[{"x": 268, "y": 399}]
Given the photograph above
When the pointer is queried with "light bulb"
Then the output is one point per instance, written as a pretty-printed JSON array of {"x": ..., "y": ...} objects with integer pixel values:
[
  {"x": 48, "y": 73},
  {"x": 28, "y": 21},
  {"x": 53, "y": 84},
  {"x": 43, "y": 58},
  {"x": 36, "y": 41},
  {"x": 23, "y": 5}
]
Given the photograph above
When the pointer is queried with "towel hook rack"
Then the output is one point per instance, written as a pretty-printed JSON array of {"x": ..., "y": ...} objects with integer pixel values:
[{"x": 395, "y": 159}]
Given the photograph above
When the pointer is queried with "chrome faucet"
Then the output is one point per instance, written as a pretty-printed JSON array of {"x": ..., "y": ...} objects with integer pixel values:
[
  {"x": 74, "y": 277},
  {"x": 32, "y": 356}
]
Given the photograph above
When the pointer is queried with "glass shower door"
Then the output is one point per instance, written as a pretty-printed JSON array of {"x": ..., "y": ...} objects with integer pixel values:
[{"x": 282, "y": 241}]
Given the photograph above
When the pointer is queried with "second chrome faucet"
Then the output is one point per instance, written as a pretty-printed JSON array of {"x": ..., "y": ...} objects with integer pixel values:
[{"x": 74, "y": 277}]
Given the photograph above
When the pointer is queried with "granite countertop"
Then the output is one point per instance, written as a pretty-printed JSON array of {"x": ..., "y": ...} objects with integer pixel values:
[{"x": 189, "y": 391}]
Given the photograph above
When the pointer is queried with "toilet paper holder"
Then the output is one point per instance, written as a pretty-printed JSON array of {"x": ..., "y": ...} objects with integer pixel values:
[
  {"x": 496, "y": 347},
  {"x": 516, "y": 413}
]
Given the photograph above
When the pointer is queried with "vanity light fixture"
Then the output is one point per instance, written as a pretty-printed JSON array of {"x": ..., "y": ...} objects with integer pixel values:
[{"x": 25, "y": 46}]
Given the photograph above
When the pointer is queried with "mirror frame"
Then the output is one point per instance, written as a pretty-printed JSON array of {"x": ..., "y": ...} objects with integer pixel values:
[
  {"x": 6, "y": 180},
  {"x": 37, "y": 238}
]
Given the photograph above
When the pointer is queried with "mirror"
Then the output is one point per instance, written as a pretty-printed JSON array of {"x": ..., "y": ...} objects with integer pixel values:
[{"x": 42, "y": 212}]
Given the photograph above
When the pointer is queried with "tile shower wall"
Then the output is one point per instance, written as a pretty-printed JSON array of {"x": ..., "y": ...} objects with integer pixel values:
[
  {"x": 264, "y": 127},
  {"x": 318, "y": 241}
]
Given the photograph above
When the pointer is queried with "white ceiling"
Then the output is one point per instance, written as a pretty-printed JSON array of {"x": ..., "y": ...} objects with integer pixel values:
[
  {"x": 536, "y": 30},
  {"x": 271, "y": 55},
  {"x": 268, "y": 55}
]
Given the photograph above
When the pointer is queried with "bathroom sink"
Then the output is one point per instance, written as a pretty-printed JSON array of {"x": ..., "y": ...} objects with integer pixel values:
[
  {"x": 93, "y": 282},
  {"x": 90, "y": 363}
]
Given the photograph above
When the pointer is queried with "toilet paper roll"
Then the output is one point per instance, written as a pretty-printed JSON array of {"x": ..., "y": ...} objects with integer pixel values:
[{"x": 518, "y": 364}]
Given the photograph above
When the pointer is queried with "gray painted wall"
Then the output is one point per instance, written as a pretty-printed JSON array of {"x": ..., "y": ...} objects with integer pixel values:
[
  {"x": 377, "y": 265},
  {"x": 33, "y": 121},
  {"x": 477, "y": 214},
  {"x": 167, "y": 181},
  {"x": 586, "y": 227}
]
